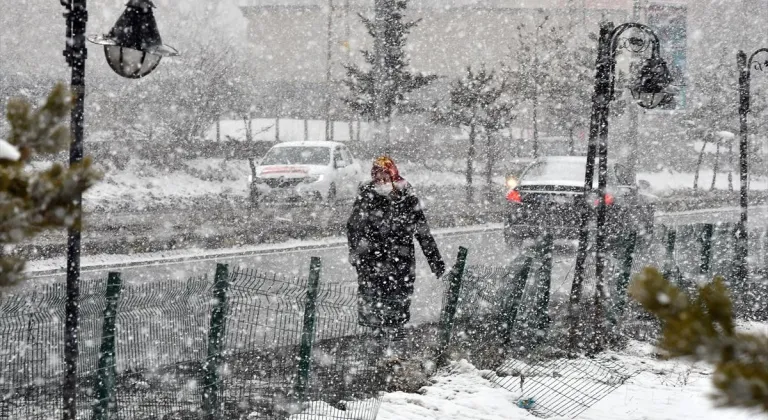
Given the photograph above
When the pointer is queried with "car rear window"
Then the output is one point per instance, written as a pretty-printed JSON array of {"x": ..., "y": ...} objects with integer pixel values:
[
  {"x": 570, "y": 172},
  {"x": 298, "y": 155},
  {"x": 555, "y": 171}
]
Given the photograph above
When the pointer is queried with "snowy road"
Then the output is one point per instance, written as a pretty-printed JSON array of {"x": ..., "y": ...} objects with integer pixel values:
[
  {"x": 758, "y": 216},
  {"x": 485, "y": 244}
]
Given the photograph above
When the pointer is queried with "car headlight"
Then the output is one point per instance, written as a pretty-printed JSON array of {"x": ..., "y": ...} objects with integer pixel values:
[
  {"x": 313, "y": 178},
  {"x": 511, "y": 182}
]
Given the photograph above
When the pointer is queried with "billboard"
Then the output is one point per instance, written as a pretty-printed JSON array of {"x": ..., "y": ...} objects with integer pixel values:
[{"x": 670, "y": 24}]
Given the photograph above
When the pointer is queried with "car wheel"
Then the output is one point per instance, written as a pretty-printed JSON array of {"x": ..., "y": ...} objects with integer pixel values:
[{"x": 331, "y": 193}]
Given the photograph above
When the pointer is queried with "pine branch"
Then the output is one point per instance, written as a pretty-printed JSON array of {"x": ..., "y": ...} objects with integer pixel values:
[
  {"x": 701, "y": 327},
  {"x": 32, "y": 201}
]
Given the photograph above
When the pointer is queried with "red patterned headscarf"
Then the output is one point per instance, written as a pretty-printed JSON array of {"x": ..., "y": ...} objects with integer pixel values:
[{"x": 384, "y": 170}]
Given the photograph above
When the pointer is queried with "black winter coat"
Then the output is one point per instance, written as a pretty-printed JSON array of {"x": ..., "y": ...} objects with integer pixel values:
[{"x": 380, "y": 234}]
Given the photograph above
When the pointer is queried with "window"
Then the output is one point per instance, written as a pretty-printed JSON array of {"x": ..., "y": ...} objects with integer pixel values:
[
  {"x": 297, "y": 155},
  {"x": 553, "y": 172}
]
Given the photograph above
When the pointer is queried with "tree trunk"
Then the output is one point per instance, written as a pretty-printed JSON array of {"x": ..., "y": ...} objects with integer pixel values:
[
  {"x": 277, "y": 129},
  {"x": 535, "y": 124},
  {"x": 730, "y": 166},
  {"x": 698, "y": 166},
  {"x": 248, "y": 128},
  {"x": 252, "y": 165},
  {"x": 357, "y": 133},
  {"x": 490, "y": 161},
  {"x": 378, "y": 71},
  {"x": 470, "y": 158},
  {"x": 716, "y": 166}
]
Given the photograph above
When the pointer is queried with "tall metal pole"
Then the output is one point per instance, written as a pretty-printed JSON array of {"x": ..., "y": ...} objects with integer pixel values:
[
  {"x": 602, "y": 181},
  {"x": 634, "y": 116},
  {"x": 600, "y": 101},
  {"x": 76, "y": 54},
  {"x": 742, "y": 271},
  {"x": 349, "y": 49},
  {"x": 329, "y": 56}
]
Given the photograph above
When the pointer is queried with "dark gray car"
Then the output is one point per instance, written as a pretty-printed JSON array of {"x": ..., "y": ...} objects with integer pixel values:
[{"x": 548, "y": 196}]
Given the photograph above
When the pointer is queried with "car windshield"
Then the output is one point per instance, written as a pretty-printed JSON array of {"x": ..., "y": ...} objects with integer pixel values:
[{"x": 299, "y": 155}]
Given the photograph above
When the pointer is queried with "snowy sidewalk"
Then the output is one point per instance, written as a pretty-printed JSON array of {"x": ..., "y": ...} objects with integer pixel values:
[{"x": 664, "y": 390}]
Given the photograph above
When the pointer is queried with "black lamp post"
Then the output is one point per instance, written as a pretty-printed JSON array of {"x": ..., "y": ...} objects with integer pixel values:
[
  {"x": 650, "y": 89},
  {"x": 136, "y": 30},
  {"x": 745, "y": 71}
]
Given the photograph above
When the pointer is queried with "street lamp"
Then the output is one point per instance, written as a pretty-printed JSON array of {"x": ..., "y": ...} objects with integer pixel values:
[
  {"x": 133, "y": 47},
  {"x": 745, "y": 72},
  {"x": 650, "y": 87},
  {"x": 135, "y": 31}
]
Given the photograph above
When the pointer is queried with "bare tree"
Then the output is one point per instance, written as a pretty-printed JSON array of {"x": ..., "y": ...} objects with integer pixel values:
[{"x": 476, "y": 102}]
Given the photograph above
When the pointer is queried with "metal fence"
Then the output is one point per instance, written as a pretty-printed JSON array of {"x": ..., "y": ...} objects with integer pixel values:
[
  {"x": 512, "y": 321},
  {"x": 249, "y": 344},
  {"x": 246, "y": 345},
  {"x": 31, "y": 348}
]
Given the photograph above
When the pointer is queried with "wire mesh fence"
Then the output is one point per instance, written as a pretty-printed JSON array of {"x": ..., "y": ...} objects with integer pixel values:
[
  {"x": 514, "y": 321},
  {"x": 235, "y": 347},
  {"x": 31, "y": 349},
  {"x": 560, "y": 387},
  {"x": 250, "y": 344}
]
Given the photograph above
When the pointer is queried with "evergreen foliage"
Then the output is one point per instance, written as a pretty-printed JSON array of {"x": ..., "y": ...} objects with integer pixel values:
[
  {"x": 477, "y": 102},
  {"x": 395, "y": 81},
  {"x": 701, "y": 327},
  {"x": 31, "y": 200}
]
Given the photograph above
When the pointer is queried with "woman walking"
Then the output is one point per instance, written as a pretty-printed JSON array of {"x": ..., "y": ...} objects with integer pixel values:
[{"x": 385, "y": 218}]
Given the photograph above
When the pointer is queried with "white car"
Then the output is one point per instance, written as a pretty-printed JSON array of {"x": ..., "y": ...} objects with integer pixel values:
[{"x": 301, "y": 172}]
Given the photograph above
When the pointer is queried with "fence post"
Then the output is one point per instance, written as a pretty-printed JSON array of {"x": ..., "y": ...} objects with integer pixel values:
[
  {"x": 544, "y": 282},
  {"x": 308, "y": 331},
  {"x": 104, "y": 386},
  {"x": 626, "y": 272},
  {"x": 449, "y": 311},
  {"x": 215, "y": 342},
  {"x": 706, "y": 248},
  {"x": 669, "y": 260},
  {"x": 513, "y": 304}
]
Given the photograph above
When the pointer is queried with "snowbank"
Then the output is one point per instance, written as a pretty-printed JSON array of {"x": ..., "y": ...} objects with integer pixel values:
[
  {"x": 663, "y": 390},
  {"x": 669, "y": 180}
]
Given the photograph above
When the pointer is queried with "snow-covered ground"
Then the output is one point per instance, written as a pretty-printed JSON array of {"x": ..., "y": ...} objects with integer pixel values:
[
  {"x": 141, "y": 185},
  {"x": 668, "y": 180},
  {"x": 661, "y": 390}
]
